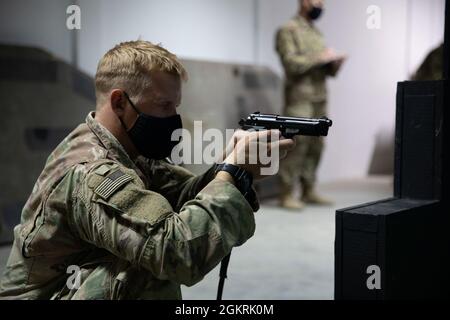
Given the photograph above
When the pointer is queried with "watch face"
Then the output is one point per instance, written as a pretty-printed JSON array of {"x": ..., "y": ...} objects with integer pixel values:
[{"x": 246, "y": 183}]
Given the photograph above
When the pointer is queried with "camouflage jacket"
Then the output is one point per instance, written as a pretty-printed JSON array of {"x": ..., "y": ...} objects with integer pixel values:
[
  {"x": 135, "y": 229},
  {"x": 299, "y": 44}
]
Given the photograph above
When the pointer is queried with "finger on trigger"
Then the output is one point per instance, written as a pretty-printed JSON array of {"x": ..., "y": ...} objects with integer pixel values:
[{"x": 285, "y": 144}]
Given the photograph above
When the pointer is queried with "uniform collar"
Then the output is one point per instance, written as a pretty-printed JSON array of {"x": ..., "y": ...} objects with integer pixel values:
[
  {"x": 115, "y": 149},
  {"x": 303, "y": 22}
]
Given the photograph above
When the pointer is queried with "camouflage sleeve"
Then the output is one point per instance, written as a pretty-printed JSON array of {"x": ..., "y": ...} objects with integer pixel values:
[
  {"x": 294, "y": 62},
  {"x": 111, "y": 209},
  {"x": 177, "y": 184}
]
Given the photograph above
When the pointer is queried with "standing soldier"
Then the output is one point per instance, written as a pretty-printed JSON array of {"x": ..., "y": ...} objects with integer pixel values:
[{"x": 307, "y": 62}]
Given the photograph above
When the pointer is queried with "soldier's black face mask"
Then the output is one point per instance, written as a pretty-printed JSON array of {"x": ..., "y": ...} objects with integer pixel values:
[
  {"x": 315, "y": 13},
  {"x": 152, "y": 136}
]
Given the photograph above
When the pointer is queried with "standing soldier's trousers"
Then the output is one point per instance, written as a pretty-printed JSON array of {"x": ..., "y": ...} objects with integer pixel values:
[{"x": 302, "y": 162}]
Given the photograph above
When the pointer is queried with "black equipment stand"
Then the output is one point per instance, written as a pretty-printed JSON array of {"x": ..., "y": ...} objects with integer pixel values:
[{"x": 407, "y": 236}]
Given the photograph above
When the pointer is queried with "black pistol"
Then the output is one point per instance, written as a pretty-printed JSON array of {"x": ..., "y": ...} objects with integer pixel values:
[{"x": 288, "y": 126}]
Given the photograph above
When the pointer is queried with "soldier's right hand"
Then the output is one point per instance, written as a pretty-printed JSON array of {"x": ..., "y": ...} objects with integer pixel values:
[
  {"x": 329, "y": 55},
  {"x": 255, "y": 150}
]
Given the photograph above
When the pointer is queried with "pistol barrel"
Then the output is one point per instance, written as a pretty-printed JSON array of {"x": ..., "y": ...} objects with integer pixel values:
[{"x": 289, "y": 126}]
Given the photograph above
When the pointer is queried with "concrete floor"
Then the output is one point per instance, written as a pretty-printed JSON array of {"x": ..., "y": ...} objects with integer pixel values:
[{"x": 291, "y": 255}]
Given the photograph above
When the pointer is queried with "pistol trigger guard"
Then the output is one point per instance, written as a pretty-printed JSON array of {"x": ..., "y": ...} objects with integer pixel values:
[{"x": 287, "y": 135}]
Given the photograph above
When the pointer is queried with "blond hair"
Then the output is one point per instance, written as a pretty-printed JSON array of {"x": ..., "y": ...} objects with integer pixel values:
[{"x": 127, "y": 66}]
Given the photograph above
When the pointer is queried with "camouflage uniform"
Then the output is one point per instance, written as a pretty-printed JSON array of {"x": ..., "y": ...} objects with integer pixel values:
[
  {"x": 136, "y": 229},
  {"x": 299, "y": 45},
  {"x": 432, "y": 67}
]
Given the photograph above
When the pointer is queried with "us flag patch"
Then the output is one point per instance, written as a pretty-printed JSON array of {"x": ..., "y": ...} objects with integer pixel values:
[{"x": 111, "y": 183}]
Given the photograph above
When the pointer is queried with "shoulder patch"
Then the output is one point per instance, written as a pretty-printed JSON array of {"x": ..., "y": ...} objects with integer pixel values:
[
  {"x": 104, "y": 169},
  {"x": 291, "y": 24},
  {"x": 112, "y": 183}
]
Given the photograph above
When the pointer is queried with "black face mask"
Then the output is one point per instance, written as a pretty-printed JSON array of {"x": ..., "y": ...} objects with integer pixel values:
[
  {"x": 152, "y": 136},
  {"x": 315, "y": 13}
]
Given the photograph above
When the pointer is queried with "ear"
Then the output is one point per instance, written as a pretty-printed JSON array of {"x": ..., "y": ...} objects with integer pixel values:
[{"x": 118, "y": 101}]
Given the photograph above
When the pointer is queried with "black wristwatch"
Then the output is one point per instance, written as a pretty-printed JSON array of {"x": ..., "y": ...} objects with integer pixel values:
[{"x": 242, "y": 178}]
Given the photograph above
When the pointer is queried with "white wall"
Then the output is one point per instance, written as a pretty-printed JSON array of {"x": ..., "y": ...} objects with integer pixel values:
[
  {"x": 362, "y": 97},
  {"x": 426, "y": 32},
  {"x": 200, "y": 29}
]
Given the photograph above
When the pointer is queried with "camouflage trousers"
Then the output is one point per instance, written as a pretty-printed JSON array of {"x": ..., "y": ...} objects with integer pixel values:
[
  {"x": 301, "y": 163},
  {"x": 110, "y": 278}
]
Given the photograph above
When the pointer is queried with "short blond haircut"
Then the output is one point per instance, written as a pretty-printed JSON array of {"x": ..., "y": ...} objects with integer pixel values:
[{"x": 127, "y": 66}]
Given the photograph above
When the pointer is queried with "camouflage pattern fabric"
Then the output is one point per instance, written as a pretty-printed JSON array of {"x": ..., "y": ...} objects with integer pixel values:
[
  {"x": 299, "y": 45},
  {"x": 432, "y": 67},
  {"x": 302, "y": 162},
  {"x": 134, "y": 229}
]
